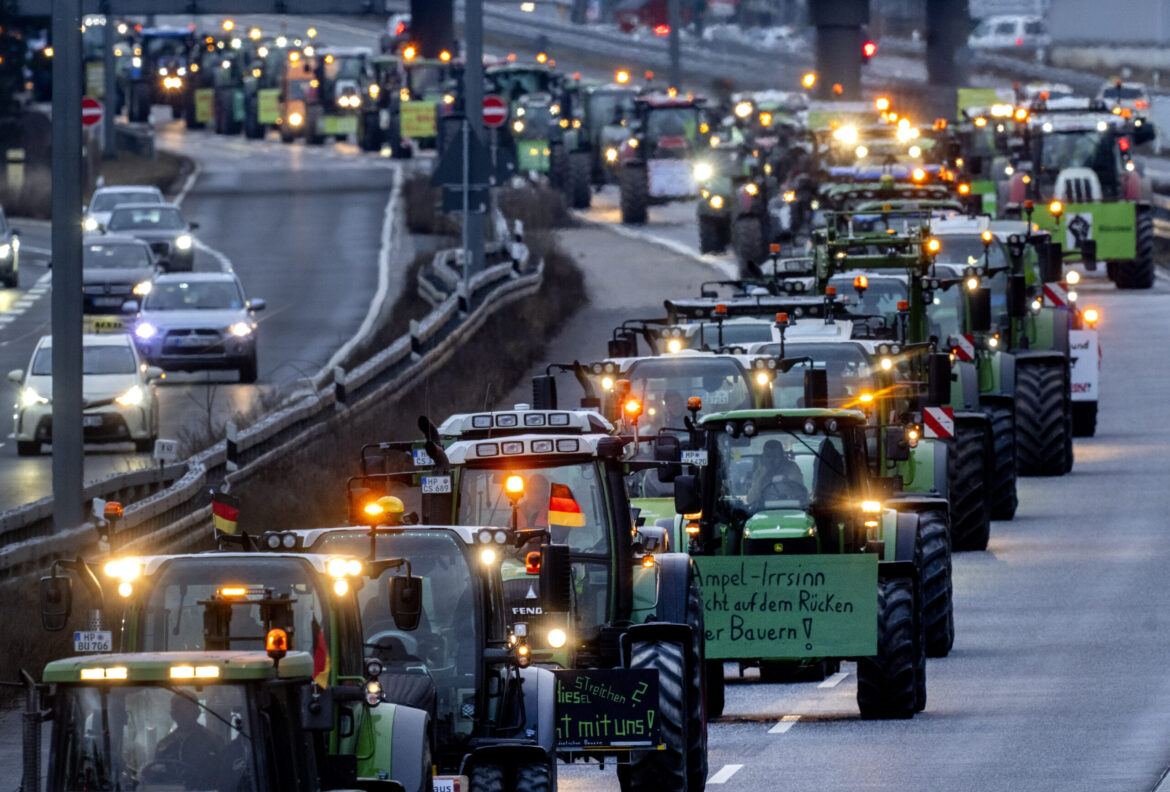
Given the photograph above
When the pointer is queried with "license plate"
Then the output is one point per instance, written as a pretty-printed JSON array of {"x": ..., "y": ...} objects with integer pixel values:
[
  {"x": 108, "y": 325},
  {"x": 694, "y": 458},
  {"x": 192, "y": 341},
  {"x": 91, "y": 420},
  {"x": 106, "y": 302},
  {"x": 450, "y": 784},
  {"x": 93, "y": 641},
  {"x": 421, "y": 458},
  {"x": 436, "y": 485}
]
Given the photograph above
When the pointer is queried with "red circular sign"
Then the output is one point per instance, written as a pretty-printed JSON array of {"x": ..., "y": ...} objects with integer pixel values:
[
  {"x": 495, "y": 112},
  {"x": 91, "y": 111}
]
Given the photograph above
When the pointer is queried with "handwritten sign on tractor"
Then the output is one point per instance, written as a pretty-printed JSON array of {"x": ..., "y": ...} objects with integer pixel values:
[
  {"x": 607, "y": 708},
  {"x": 417, "y": 119},
  {"x": 790, "y": 606}
]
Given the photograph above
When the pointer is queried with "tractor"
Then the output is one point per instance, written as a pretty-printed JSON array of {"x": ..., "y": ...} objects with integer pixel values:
[{"x": 656, "y": 159}]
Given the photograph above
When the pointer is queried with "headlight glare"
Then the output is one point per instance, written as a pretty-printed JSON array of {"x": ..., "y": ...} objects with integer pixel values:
[
  {"x": 240, "y": 329},
  {"x": 132, "y": 397},
  {"x": 145, "y": 331},
  {"x": 184, "y": 242},
  {"x": 29, "y": 397}
]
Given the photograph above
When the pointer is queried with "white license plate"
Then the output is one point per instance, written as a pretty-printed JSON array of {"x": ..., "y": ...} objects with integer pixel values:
[
  {"x": 694, "y": 458},
  {"x": 422, "y": 458},
  {"x": 450, "y": 784},
  {"x": 93, "y": 641},
  {"x": 192, "y": 341},
  {"x": 436, "y": 485},
  {"x": 105, "y": 302},
  {"x": 91, "y": 420}
]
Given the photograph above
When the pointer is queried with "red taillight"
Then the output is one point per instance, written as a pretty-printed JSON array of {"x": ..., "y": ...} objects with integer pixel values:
[
  {"x": 868, "y": 49},
  {"x": 662, "y": 30},
  {"x": 1141, "y": 104},
  {"x": 1123, "y": 144},
  {"x": 398, "y": 31},
  {"x": 1019, "y": 42}
]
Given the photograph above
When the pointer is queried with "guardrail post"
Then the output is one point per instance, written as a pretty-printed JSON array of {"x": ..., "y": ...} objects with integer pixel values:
[
  {"x": 339, "y": 391},
  {"x": 233, "y": 451},
  {"x": 415, "y": 341},
  {"x": 464, "y": 298}
]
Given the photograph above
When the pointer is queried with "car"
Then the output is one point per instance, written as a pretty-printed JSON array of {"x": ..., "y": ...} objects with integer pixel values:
[
  {"x": 1132, "y": 96},
  {"x": 1010, "y": 32},
  {"x": 117, "y": 389},
  {"x": 9, "y": 253},
  {"x": 106, "y": 199},
  {"x": 163, "y": 227},
  {"x": 199, "y": 321},
  {"x": 114, "y": 269}
]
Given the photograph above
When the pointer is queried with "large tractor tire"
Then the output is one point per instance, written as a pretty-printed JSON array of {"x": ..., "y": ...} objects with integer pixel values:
[
  {"x": 697, "y": 690},
  {"x": 369, "y": 135},
  {"x": 966, "y": 482},
  {"x": 1084, "y": 419},
  {"x": 1043, "y": 423},
  {"x": 665, "y": 769},
  {"x": 535, "y": 777},
  {"x": 1139, "y": 273},
  {"x": 558, "y": 166},
  {"x": 487, "y": 778},
  {"x": 579, "y": 190},
  {"x": 888, "y": 682},
  {"x": 1002, "y": 489},
  {"x": 747, "y": 239},
  {"x": 712, "y": 234},
  {"x": 716, "y": 689},
  {"x": 932, "y": 557},
  {"x": 635, "y": 187},
  {"x": 189, "y": 116}
]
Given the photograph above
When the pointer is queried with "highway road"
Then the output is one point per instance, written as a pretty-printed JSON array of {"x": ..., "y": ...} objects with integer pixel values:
[{"x": 301, "y": 226}]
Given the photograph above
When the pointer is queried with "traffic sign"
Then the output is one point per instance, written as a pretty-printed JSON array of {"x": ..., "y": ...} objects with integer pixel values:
[
  {"x": 495, "y": 112},
  {"x": 91, "y": 111}
]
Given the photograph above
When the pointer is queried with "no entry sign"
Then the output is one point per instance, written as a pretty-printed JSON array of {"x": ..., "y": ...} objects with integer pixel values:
[
  {"x": 495, "y": 112},
  {"x": 91, "y": 111}
]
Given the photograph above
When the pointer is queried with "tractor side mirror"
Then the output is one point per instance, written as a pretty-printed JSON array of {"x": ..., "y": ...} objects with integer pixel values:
[
  {"x": 979, "y": 301},
  {"x": 1017, "y": 296},
  {"x": 938, "y": 383},
  {"x": 56, "y": 602},
  {"x": 668, "y": 451},
  {"x": 544, "y": 392},
  {"x": 627, "y": 346},
  {"x": 555, "y": 578},
  {"x": 897, "y": 444},
  {"x": 1052, "y": 265},
  {"x": 406, "y": 601},
  {"x": 816, "y": 388},
  {"x": 686, "y": 495},
  {"x": 1144, "y": 133}
]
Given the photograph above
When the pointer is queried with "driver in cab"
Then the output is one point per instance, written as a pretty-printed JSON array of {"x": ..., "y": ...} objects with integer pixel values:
[
  {"x": 776, "y": 477},
  {"x": 190, "y": 753}
]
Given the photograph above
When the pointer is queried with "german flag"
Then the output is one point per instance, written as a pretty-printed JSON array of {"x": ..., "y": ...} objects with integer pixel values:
[
  {"x": 321, "y": 664},
  {"x": 563, "y": 509},
  {"x": 225, "y": 511}
]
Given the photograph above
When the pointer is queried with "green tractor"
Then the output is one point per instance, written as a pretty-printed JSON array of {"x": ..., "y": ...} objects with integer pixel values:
[
  {"x": 412, "y": 94},
  {"x": 244, "y": 720},
  {"x": 801, "y": 562},
  {"x": 656, "y": 159},
  {"x": 232, "y": 602},
  {"x": 538, "y": 138},
  {"x": 597, "y": 116},
  {"x": 1076, "y": 165},
  {"x": 595, "y": 589}
]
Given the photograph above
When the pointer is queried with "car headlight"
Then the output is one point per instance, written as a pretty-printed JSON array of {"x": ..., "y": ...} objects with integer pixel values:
[
  {"x": 132, "y": 397},
  {"x": 5, "y": 250},
  {"x": 295, "y": 119},
  {"x": 240, "y": 329},
  {"x": 29, "y": 397},
  {"x": 143, "y": 289},
  {"x": 703, "y": 171},
  {"x": 145, "y": 331},
  {"x": 184, "y": 242},
  {"x": 90, "y": 224}
]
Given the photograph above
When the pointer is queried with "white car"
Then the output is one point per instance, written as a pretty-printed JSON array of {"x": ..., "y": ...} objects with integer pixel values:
[
  {"x": 1010, "y": 32},
  {"x": 106, "y": 199},
  {"x": 117, "y": 388},
  {"x": 1133, "y": 96}
]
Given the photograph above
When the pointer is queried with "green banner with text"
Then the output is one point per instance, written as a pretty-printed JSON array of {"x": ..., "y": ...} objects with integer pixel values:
[{"x": 781, "y": 607}]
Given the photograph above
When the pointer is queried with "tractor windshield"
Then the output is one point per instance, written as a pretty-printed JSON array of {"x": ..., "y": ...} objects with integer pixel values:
[
  {"x": 665, "y": 384},
  {"x": 607, "y": 108},
  {"x": 1095, "y": 149},
  {"x": 170, "y": 616},
  {"x": 777, "y": 470},
  {"x": 847, "y": 368},
  {"x": 155, "y": 737},
  {"x": 880, "y": 297},
  {"x": 672, "y": 122}
]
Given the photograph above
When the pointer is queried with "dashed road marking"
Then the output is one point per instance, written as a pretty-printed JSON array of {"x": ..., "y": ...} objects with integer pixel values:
[
  {"x": 27, "y": 300},
  {"x": 785, "y": 723},
  {"x": 834, "y": 680},
  {"x": 724, "y": 774}
]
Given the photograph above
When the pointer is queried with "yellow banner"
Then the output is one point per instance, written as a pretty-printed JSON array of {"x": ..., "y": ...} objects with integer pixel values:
[
  {"x": 204, "y": 101},
  {"x": 268, "y": 105},
  {"x": 417, "y": 120}
]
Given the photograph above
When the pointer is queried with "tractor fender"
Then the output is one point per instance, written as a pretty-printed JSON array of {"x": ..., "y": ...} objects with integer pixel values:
[
  {"x": 1007, "y": 374},
  {"x": 507, "y": 753},
  {"x": 674, "y": 571},
  {"x": 1041, "y": 355},
  {"x": 968, "y": 383},
  {"x": 656, "y": 538},
  {"x": 898, "y": 569},
  {"x": 539, "y": 686},
  {"x": 940, "y": 469},
  {"x": 1018, "y": 190},
  {"x": 914, "y": 503},
  {"x": 906, "y": 536},
  {"x": 409, "y": 739}
]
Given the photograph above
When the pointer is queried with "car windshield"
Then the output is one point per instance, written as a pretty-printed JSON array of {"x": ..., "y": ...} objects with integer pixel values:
[
  {"x": 172, "y": 613},
  {"x": 448, "y": 634},
  {"x": 847, "y": 370},
  {"x": 194, "y": 295},
  {"x": 1121, "y": 93},
  {"x": 152, "y": 219},
  {"x": 106, "y": 201},
  {"x": 101, "y": 256},
  {"x": 96, "y": 360},
  {"x": 665, "y": 384},
  {"x": 668, "y": 122},
  {"x": 154, "y": 737},
  {"x": 778, "y": 469},
  {"x": 567, "y": 499}
]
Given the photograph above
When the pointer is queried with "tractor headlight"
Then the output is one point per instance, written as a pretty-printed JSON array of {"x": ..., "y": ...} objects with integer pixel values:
[
  {"x": 557, "y": 638},
  {"x": 703, "y": 171},
  {"x": 611, "y": 155},
  {"x": 295, "y": 119}
]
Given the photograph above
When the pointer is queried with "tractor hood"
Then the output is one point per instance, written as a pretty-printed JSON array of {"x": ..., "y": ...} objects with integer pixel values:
[{"x": 779, "y": 524}]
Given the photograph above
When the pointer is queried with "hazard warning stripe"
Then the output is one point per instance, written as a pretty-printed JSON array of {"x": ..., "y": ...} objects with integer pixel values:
[
  {"x": 964, "y": 346},
  {"x": 939, "y": 422},
  {"x": 1056, "y": 293}
]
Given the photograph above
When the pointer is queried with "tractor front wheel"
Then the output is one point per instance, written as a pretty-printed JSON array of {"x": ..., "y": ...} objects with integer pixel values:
[
  {"x": 747, "y": 238},
  {"x": 932, "y": 558},
  {"x": 635, "y": 188},
  {"x": 665, "y": 769},
  {"x": 888, "y": 684},
  {"x": 1003, "y": 457},
  {"x": 1043, "y": 424},
  {"x": 966, "y": 480},
  {"x": 1084, "y": 419},
  {"x": 712, "y": 234},
  {"x": 579, "y": 189},
  {"x": 1138, "y": 273}
]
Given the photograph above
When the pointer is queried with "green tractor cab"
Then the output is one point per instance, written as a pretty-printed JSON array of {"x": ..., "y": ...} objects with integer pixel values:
[
  {"x": 656, "y": 158},
  {"x": 598, "y": 114}
]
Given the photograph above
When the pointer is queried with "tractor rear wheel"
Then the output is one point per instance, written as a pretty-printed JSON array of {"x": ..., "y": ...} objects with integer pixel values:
[
  {"x": 932, "y": 557},
  {"x": 535, "y": 776},
  {"x": 558, "y": 166},
  {"x": 1084, "y": 419},
  {"x": 635, "y": 188},
  {"x": 966, "y": 480},
  {"x": 712, "y": 234},
  {"x": 696, "y": 689},
  {"x": 716, "y": 689},
  {"x": 887, "y": 682},
  {"x": 487, "y": 778},
  {"x": 1043, "y": 424},
  {"x": 665, "y": 769},
  {"x": 1003, "y": 458},
  {"x": 580, "y": 191},
  {"x": 1139, "y": 273},
  {"x": 747, "y": 237}
]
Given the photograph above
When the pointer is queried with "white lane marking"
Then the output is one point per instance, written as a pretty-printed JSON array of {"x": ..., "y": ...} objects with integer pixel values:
[
  {"x": 45, "y": 279},
  {"x": 187, "y": 185},
  {"x": 1163, "y": 782},
  {"x": 724, "y": 774},
  {"x": 834, "y": 680},
  {"x": 40, "y": 251},
  {"x": 27, "y": 300},
  {"x": 725, "y": 268},
  {"x": 225, "y": 263},
  {"x": 785, "y": 723},
  {"x": 24, "y": 303}
]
